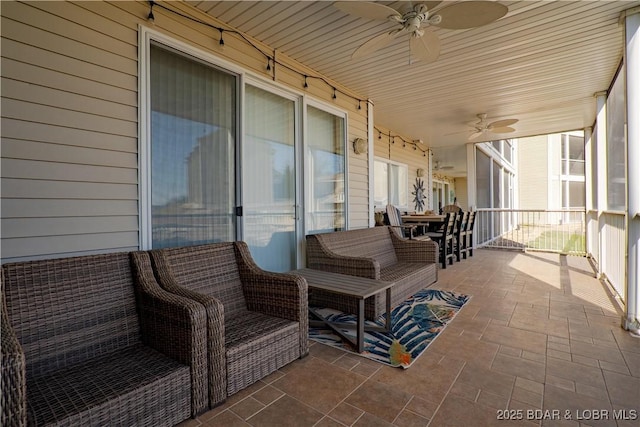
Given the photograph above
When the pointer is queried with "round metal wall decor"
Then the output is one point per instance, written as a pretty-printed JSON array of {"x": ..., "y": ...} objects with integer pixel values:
[{"x": 419, "y": 196}]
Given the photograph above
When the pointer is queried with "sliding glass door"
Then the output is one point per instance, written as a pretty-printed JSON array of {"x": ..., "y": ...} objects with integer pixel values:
[
  {"x": 269, "y": 178},
  {"x": 325, "y": 171},
  {"x": 193, "y": 137}
]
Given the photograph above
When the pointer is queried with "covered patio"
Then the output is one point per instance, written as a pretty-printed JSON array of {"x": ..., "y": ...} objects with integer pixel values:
[
  {"x": 137, "y": 125},
  {"x": 539, "y": 343}
]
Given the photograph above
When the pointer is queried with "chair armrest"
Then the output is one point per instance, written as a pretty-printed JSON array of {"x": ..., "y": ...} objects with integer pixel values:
[
  {"x": 14, "y": 385},
  {"x": 217, "y": 359},
  {"x": 322, "y": 258},
  {"x": 276, "y": 294},
  {"x": 174, "y": 326},
  {"x": 415, "y": 250}
]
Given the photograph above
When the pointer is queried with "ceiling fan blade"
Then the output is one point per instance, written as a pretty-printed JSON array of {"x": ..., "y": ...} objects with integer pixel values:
[
  {"x": 373, "y": 44},
  {"x": 470, "y": 14},
  {"x": 425, "y": 48},
  {"x": 503, "y": 123},
  {"x": 475, "y": 135},
  {"x": 504, "y": 129},
  {"x": 367, "y": 10}
]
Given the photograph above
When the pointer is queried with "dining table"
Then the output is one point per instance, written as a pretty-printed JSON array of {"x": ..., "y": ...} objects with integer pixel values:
[
  {"x": 431, "y": 218},
  {"x": 426, "y": 222}
]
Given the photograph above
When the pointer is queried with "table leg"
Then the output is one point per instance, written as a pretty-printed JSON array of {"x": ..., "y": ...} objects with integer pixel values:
[
  {"x": 388, "y": 314},
  {"x": 360, "y": 330}
]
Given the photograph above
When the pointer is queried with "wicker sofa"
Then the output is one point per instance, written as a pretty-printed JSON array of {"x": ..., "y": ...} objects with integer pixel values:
[
  {"x": 377, "y": 253},
  {"x": 257, "y": 321},
  {"x": 92, "y": 340}
]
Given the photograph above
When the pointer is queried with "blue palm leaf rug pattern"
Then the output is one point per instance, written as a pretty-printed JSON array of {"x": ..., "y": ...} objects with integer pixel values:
[{"x": 415, "y": 323}]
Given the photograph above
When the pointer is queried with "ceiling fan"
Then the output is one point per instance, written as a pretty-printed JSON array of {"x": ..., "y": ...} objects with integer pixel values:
[
  {"x": 438, "y": 167},
  {"x": 482, "y": 126},
  {"x": 424, "y": 44}
]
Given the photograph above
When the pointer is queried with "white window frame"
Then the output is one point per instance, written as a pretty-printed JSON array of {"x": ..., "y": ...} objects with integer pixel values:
[
  {"x": 401, "y": 165},
  {"x": 148, "y": 35},
  {"x": 307, "y": 102}
]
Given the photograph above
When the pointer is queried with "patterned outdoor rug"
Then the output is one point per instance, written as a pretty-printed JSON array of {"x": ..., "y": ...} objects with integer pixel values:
[{"x": 414, "y": 325}]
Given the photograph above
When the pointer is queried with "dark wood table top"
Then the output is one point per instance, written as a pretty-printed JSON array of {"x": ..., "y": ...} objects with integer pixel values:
[{"x": 359, "y": 287}]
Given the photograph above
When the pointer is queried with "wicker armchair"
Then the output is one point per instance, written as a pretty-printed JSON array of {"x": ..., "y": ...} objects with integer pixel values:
[
  {"x": 103, "y": 345},
  {"x": 257, "y": 321}
]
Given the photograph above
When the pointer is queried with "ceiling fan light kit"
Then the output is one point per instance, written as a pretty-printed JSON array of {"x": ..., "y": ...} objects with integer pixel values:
[{"x": 424, "y": 43}]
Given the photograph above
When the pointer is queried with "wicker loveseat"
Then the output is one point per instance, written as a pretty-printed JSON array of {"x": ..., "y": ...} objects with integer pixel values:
[
  {"x": 89, "y": 341},
  {"x": 257, "y": 321},
  {"x": 377, "y": 253}
]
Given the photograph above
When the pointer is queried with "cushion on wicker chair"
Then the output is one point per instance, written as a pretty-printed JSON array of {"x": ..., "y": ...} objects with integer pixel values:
[
  {"x": 123, "y": 388},
  {"x": 102, "y": 345},
  {"x": 257, "y": 320}
]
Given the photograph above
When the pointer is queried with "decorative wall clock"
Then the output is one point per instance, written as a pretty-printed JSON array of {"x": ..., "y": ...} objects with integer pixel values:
[{"x": 418, "y": 195}]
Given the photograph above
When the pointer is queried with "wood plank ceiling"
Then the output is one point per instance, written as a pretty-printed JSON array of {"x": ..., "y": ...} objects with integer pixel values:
[{"x": 541, "y": 63}]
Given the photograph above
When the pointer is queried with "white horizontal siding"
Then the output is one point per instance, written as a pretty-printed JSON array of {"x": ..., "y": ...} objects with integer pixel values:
[
  {"x": 70, "y": 122},
  {"x": 69, "y": 132}
]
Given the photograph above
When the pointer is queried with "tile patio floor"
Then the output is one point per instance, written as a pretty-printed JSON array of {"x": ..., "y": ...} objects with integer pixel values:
[{"x": 540, "y": 333}]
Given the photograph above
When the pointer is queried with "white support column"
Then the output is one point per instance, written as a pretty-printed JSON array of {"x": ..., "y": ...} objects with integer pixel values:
[
  {"x": 632, "y": 64},
  {"x": 601, "y": 169},
  {"x": 588, "y": 188},
  {"x": 370, "y": 149},
  {"x": 471, "y": 177}
]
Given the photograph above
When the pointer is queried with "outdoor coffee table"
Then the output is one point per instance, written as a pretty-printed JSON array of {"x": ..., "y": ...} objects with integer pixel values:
[{"x": 353, "y": 286}]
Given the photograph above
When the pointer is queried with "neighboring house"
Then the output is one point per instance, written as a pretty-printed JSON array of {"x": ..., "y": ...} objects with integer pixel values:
[{"x": 551, "y": 171}]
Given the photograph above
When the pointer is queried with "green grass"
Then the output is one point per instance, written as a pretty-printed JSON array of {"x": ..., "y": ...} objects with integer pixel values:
[{"x": 562, "y": 241}]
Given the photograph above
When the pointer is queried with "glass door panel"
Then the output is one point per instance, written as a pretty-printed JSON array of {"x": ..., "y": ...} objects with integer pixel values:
[
  {"x": 269, "y": 177},
  {"x": 193, "y": 122},
  {"x": 325, "y": 172}
]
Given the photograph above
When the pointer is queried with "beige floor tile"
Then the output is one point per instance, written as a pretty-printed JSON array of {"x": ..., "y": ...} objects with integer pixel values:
[
  {"x": 346, "y": 414},
  {"x": 523, "y": 395},
  {"x": 492, "y": 400},
  {"x": 621, "y": 369},
  {"x": 633, "y": 362},
  {"x": 328, "y": 422},
  {"x": 267, "y": 395},
  {"x": 410, "y": 419},
  {"x": 456, "y": 411},
  {"x": 513, "y": 337},
  {"x": 370, "y": 420},
  {"x": 623, "y": 390},
  {"x": 422, "y": 407},
  {"x": 286, "y": 411},
  {"x": 575, "y": 372},
  {"x": 608, "y": 354},
  {"x": 379, "y": 399},
  {"x": 578, "y": 406},
  {"x": 224, "y": 419},
  {"x": 487, "y": 380},
  {"x": 532, "y": 386},
  {"x": 247, "y": 407},
  {"x": 325, "y": 352},
  {"x": 319, "y": 384},
  {"x": 431, "y": 381},
  {"x": 519, "y": 367}
]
